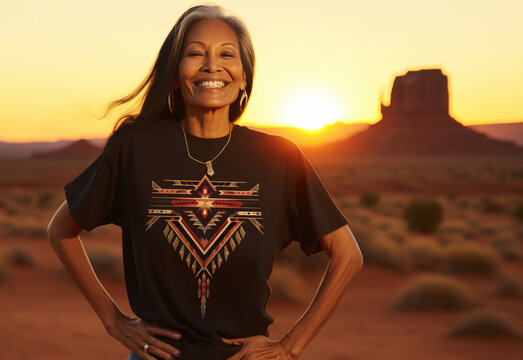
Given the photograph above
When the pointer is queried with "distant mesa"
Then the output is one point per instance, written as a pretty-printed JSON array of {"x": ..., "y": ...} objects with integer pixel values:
[
  {"x": 423, "y": 92},
  {"x": 417, "y": 122},
  {"x": 78, "y": 150}
]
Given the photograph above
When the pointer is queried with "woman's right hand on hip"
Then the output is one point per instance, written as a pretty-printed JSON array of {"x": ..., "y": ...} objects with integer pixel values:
[{"x": 134, "y": 333}]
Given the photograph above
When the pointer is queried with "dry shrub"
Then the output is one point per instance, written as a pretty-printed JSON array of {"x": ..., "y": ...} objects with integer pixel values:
[
  {"x": 491, "y": 206},
  {"x": 424, "y": 254},
  {"x": 286, "y": 284},
  {"x": 487, "y": 230},
  {"x": 369, "y": 199},
  {"x": 517, "y": 213},
  {"x": 23, "y": 229},
  {"x": 507, "y": 249},
  {"x": 382, "y": 251},
  {"x": 361, "y": 232},
  {"x": 23, "y": 198},
  {"x": 45, "y": 199},
  {"x": 3, "y": 203},
  {"x": 382, "y": 226},
  {"x": 516, "y": 174},
  {"x": 463, "y": 204},
  {"x": 434, "y": 292},
  {"x": 12, "y": 210},
  {"x": 397, "y": 237},
  {"x": 472, "y": 233},
  {"x": 452, "y": 196},
  {"x": 379, "y": 251},
  {"x": 20, "y": 257},
  {"x": 468, "y": 258},
  {"x": 107, "y": 264},
  {"x": 508, "y": 286},
  {"x": 423, "y": 215},
  {"x": 484, "y": 323},
  {"x": 361, "y": 218}
]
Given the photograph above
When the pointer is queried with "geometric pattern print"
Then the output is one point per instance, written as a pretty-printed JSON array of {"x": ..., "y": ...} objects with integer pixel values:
[{"x": 203, "y": 221}]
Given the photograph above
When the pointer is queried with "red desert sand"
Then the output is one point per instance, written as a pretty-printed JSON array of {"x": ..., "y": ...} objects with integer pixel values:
[{"x": 44, "y": 317}]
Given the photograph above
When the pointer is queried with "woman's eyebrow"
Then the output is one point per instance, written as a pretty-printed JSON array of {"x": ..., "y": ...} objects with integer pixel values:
[{"x": 199, "y": 42}]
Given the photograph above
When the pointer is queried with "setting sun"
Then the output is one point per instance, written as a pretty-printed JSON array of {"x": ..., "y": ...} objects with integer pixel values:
[{"x": 311, "y": 110}]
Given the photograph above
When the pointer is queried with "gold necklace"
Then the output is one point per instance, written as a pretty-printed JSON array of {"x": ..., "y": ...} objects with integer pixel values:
[{"x": 208, "y": 163}]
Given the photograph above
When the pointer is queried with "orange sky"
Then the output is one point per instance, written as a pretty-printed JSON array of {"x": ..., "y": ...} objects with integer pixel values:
[{"x": 62, "y": 61}]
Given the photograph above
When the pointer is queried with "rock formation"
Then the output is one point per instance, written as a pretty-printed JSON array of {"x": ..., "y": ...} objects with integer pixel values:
[
  {"x": 417, "y": 122},
  {"x": 418, "y": 93}
]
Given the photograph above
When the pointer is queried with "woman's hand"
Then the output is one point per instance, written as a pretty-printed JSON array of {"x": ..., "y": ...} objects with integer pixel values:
[
  {"x": 134, "y": 333},
  {"x": 258, "y": 347}
]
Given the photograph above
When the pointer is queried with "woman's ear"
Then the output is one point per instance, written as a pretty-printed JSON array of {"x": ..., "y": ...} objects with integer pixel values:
[{"x": 176, "y": 83}]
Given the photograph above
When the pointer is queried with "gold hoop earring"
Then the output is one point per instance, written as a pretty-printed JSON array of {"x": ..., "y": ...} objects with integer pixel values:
[{"x": 244, "y": 97}]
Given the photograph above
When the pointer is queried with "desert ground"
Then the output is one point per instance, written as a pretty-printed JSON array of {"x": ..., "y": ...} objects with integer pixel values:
[{"x": 454, "y": 292}]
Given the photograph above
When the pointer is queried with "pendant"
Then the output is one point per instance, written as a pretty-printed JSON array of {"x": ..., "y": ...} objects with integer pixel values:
[{"x": 210, "y": 170}]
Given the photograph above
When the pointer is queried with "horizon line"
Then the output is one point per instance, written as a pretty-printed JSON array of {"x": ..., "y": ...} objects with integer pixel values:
[{"x": 252, "y": 125}]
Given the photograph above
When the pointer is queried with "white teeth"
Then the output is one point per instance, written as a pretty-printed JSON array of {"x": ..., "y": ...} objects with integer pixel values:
[{"x": 211, "y": 84}]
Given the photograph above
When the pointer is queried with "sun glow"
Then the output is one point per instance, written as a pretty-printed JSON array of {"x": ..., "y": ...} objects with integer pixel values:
[{"x": 311, "y": 110}]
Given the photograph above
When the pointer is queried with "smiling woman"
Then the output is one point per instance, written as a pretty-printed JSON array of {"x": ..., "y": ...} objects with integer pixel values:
[
  {"x": 311, "y": 110},
  {"x": 205, "y": 205}
]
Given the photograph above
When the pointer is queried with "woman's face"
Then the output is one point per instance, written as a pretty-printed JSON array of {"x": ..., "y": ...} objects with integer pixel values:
[{"x": 210, "y": 72}]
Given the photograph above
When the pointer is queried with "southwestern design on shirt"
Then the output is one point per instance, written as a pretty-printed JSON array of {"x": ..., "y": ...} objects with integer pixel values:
[{"x": 203, "y": 222}]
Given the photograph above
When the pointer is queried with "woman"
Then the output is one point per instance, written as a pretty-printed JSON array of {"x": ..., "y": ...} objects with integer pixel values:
[{"x": 204, "y": 205}]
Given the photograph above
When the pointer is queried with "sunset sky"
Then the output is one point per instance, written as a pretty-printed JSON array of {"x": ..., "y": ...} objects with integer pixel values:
[{"x": 63, "y": 61}]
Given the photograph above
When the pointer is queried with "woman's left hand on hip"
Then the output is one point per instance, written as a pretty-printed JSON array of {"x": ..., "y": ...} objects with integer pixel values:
[{"x": 257, "y": 347}]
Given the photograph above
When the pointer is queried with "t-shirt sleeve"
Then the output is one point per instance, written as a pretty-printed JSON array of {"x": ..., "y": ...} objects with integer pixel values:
[
  {"x": 311, "y": 210},
  {"x": 92, "y": 196}
]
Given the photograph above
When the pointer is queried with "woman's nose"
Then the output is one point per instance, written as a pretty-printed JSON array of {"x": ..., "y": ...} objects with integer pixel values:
[{"x": 211, "y": 63}]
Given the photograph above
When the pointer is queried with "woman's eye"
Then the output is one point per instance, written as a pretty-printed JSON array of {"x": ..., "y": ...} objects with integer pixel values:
[{"x": 200, "y": 54}]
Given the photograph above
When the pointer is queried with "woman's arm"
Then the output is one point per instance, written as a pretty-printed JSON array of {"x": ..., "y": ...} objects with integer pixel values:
[
  {"x": 345, "y": 261},
  {"x": 63, "y": 233}
]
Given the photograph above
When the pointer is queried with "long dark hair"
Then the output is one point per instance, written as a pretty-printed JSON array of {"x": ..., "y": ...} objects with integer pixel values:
[{"x": 159, "y": 100}]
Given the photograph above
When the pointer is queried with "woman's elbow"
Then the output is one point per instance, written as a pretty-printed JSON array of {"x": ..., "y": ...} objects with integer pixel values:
[
  {"x": 358, "y": 260},
  {"x": 62, "y": 225}
]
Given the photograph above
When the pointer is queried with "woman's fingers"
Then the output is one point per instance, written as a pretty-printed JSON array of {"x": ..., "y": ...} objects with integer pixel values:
[
  {"x": 155, "y": 329},
  {"x": 147, "y": 356},
  {"x": 163, "y": 347},
  {"x": 144, "y": 356},
  {"x": 156, "y": 351},
  {"x": 158, "y": 330}
]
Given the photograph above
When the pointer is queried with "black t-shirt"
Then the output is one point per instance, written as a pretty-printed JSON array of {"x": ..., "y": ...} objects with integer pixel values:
[{"x": 198, "y": 250}]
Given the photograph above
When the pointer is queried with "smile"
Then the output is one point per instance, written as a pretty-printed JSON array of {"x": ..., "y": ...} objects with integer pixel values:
[{"x": 211, "y": 84}]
